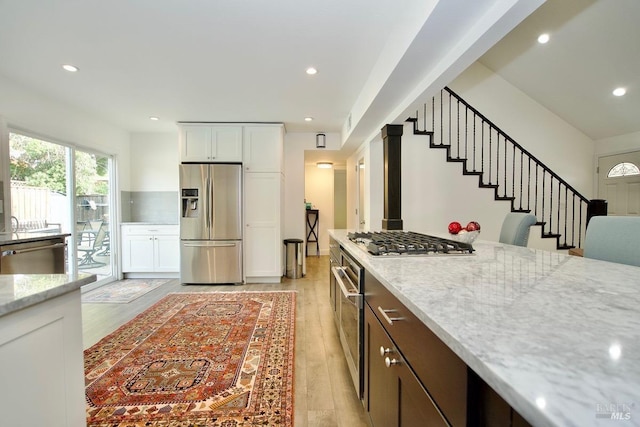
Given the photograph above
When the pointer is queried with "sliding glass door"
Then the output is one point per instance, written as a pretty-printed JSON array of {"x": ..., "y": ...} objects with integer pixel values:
[
  {"x": 57, "y": 188},
  {"x": 93, "y": 212}
]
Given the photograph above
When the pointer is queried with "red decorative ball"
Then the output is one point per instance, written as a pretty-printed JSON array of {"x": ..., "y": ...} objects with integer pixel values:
[
  {"x": 455, "y": 227},
  {"x": 473, "y": 226}
]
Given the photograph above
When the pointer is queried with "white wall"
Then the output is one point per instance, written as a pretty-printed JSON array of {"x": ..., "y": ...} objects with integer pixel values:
[
  {"x": 25, "y": 110},
  {"x": 618, "y": 144},
  {"x": 154, "y": 162},
  {"x": 319, "y": 192},
  {"x": 340, "y": 198},
  {"x": 295, "y": 144},
  {"x": 435, "y": 192},
  {"x": 560, "y": 146}
]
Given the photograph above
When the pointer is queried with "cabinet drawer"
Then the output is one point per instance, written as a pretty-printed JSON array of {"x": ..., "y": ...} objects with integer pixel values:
[
  {"x": 442, "y": 373},
  {"x": 153, "y": 230}
]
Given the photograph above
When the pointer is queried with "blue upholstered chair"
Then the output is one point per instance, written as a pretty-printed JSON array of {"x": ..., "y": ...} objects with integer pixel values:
[
  {"x": 613, "y": 238},
  {"x": 515, "y": 228}
]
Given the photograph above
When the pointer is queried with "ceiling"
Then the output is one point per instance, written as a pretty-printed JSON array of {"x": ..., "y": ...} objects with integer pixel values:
[
  {"x": 197, "y": 60},
  {"x": 593, "y": 49},
  {"x": 230, "y": 60}
]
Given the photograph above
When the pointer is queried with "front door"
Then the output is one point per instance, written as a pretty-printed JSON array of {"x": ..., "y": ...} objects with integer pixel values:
[{"x": 621, "y": 190}]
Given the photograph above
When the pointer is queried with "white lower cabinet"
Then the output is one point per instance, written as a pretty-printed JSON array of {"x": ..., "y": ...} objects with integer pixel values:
[
  {"x": 263, "y": 245},
  {"x": 150, "y": 249},
  {"x": 41, "y": 369}
]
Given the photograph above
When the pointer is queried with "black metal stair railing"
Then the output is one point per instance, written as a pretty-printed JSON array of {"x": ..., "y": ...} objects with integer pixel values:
[{"x": 500, "y": 163}]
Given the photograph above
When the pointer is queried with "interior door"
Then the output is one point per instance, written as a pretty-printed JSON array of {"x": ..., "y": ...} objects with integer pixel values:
[{"x": 622, "y": 193}]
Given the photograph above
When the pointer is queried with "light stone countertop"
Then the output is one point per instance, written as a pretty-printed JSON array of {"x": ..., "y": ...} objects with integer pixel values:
[
  {"x": 19, "y": 291},
  {"x": 15, "y": 238},
  {"x": 557, "y": 336}
]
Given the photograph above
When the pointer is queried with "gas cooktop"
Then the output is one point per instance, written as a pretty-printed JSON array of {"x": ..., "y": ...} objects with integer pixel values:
[{"x": 407, "y": 243}]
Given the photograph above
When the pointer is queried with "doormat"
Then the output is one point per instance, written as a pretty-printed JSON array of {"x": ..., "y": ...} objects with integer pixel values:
[
  {"x": 197, "y": 359},
  {"x": 122, "y": 291}
]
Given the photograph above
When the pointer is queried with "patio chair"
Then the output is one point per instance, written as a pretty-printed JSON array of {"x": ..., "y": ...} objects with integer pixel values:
[{"x": 87, "y": 251}]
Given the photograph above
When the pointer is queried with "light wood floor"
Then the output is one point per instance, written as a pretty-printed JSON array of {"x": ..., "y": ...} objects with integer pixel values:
[{"x": 324, "y": 394}]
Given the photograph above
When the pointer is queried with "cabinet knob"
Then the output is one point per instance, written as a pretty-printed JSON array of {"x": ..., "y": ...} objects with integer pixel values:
[
  {"x": 384, "y": 351},
  {"x": 389, "y": 362}
]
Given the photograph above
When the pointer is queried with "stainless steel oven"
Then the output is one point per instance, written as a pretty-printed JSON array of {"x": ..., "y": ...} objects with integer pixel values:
[{"x": 349, "y": 277}]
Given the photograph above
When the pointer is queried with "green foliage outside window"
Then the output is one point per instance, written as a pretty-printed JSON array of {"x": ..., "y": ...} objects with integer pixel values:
[{"x": 42, "y": 164}]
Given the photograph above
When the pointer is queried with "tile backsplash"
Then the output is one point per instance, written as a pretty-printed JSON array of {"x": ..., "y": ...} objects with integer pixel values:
[{"x": 160, "y": 207}]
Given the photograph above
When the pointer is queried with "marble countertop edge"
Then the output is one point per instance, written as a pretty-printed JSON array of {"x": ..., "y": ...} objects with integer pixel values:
[{"x": 59, "y": 284}]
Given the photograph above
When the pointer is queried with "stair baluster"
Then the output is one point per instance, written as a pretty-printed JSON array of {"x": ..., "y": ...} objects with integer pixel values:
[{"x": 487, "y": 152}]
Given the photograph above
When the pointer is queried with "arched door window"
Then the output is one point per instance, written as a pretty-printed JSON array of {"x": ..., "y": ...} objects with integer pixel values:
[{"x": 623, "y": 169}]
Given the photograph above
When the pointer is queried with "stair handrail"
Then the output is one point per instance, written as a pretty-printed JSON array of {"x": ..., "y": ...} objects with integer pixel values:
[
  {"x": 572, "y": 225},
  {"x": 520, "y": 147}
]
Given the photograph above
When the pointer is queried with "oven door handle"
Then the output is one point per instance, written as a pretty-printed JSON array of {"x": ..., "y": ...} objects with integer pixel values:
[
  {"x": 356, "y": 297},
  {"x": 34, "y": 249}
]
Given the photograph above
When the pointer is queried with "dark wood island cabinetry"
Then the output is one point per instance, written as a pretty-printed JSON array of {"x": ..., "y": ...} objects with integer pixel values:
[
  {"x": 393, "y": 394},
  {"x": 413, "y": 379},
  {"x": 523, "y": 337}
]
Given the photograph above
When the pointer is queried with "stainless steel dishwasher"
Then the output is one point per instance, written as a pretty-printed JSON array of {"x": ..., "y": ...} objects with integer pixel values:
[{"x": 41, "y": 256}]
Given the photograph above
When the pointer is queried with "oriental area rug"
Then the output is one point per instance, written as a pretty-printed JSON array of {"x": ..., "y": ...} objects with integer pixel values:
[
  {"x": 194, "y": 360},
  {"x": 122, "y": 291}
]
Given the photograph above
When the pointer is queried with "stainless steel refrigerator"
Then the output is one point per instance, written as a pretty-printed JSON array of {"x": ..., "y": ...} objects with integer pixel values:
[{"x": 211, "y": 223}]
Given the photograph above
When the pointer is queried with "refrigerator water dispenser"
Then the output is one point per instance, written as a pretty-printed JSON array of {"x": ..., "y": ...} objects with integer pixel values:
[{"x": 190, "y": 205}]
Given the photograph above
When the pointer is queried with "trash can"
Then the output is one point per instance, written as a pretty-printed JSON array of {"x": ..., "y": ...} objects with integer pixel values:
[{"x": 293, "y": 257}]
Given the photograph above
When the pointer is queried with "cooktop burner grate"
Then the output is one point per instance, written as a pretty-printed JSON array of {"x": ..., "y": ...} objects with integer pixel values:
[{"x": 394, "y": 243}]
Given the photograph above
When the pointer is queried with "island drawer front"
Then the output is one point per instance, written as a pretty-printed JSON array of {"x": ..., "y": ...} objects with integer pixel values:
[{"x": 441, "y": 371}]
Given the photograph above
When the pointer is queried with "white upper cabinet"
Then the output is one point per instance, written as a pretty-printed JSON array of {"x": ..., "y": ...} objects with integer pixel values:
[
  {"x": 263, "y": 148},
  {"x": 210, "y": 143}
]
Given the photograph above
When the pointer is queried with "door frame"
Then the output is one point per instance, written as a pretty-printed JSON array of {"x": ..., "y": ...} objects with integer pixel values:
[{"x": 599, "y": 156}]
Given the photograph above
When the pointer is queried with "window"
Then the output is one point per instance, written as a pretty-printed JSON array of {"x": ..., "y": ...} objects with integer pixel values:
[
  {"x": 57, "y": 188},
  {"x": 623, "y": 169}
]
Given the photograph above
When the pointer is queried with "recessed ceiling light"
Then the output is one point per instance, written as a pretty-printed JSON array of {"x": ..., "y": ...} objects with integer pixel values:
[
  {"x": 311, "y": 71},
  {"x": 154, "y": 118},
  {"x": 619, "y": 91},
  {"x": 308, "y": 119},
  {"x": 70, "y": 68},
  {"x": 543, "y": 38}
]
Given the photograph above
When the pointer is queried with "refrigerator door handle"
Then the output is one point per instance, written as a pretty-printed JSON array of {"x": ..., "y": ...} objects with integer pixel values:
[
  {"x": 211, "y": 197},
  {"x": 210, "y": 244},
  {"x": 207, "y": 203}
]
